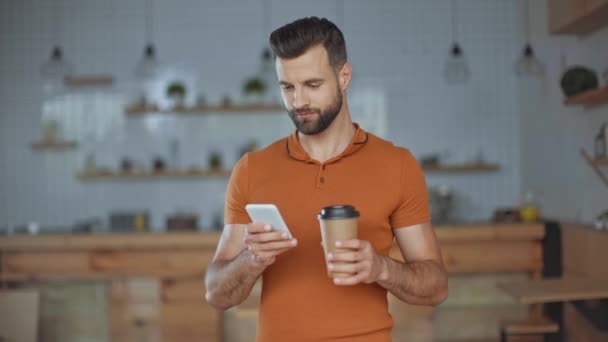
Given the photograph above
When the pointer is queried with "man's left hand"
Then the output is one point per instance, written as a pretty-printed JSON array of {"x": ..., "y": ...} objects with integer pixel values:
[{"x": 360, "y": 259}]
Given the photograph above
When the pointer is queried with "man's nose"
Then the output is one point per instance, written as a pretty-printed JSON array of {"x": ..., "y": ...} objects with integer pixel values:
[{"x": 300, "y": 99}]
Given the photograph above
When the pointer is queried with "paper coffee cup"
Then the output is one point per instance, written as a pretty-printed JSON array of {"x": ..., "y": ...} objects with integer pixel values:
[{"x": 338, "y": 223}]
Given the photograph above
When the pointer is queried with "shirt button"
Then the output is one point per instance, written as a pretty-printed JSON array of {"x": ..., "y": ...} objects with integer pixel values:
[
  {"x": 322, "y": 180},
  {"x": 323, "y": 167}
]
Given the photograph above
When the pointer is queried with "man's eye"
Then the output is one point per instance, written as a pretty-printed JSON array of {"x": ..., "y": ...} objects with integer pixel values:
[
  {"x": 287, "y": 87},
  {"x": 315, "y": 85}
]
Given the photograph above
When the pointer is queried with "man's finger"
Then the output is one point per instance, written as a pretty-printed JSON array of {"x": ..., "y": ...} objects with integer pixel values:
[
  {"x": 345, "y": 256},
  {"x": 269, "y": 246},
  {"x": 254, "y": 228},
  {"x": 351, "y": 244},
  {"x": 345, "y": 267},
  {"x": 348, "y": 281},
  {"x": 272, "y": 253},
  {"x": 266, "y": 236}
]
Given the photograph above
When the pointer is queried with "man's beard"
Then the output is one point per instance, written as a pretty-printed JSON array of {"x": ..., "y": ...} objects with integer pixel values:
[{"x": 319, "y": 122}]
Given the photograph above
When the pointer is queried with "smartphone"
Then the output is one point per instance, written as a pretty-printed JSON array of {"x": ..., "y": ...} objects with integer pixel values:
[{"x": 269, "y": 214}]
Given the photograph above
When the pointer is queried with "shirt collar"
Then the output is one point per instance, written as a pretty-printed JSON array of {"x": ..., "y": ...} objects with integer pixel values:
[{"x": 296, "y": 151}]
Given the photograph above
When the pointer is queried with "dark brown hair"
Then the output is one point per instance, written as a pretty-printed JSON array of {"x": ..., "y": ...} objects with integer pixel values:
[{"x": 294, "y": 39}]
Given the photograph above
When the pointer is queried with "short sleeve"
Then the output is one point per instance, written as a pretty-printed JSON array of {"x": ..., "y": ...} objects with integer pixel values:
[
  {"x": 237, "y": 192},
  {"x": 413, "y": 207}
]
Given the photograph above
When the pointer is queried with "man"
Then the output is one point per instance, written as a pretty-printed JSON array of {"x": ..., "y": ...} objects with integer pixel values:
[{"x": 328, "y": 160}]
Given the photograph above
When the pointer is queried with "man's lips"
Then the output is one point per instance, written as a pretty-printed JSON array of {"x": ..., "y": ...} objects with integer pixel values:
[{"x": 306, "y": 114}]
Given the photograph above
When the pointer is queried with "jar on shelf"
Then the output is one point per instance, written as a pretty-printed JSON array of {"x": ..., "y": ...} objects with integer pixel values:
[{"x": 529, "y": 210}]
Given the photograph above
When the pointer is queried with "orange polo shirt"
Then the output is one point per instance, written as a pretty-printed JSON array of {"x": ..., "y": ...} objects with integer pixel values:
[{"x": 299, "y": 301}]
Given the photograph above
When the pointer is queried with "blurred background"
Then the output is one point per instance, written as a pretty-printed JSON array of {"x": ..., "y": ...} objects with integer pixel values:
[{"x": 127, "y": 116}]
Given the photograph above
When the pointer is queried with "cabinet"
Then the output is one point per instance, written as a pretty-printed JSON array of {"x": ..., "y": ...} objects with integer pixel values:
[
  {"x": 562, "y": 12},
  {"x": 577, "y": 17},
  {"x": 584, "y": 255},
  {"x": 595, "y": 4}
]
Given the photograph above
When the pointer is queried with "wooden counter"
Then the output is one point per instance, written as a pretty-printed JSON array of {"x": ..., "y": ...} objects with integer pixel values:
[
  {"x": 445, "y": 233},
  {"x": 490, "y": 248},
  {"x": 139, "y": 241},
  {"x": 178, "y": 262}
]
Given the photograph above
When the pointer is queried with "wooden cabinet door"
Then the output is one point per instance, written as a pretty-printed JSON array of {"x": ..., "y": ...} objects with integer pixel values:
[
  {"x": 594, "y": 5},
  {"x": 578, "y": 17},
  {"x": 564, "y": 12}
]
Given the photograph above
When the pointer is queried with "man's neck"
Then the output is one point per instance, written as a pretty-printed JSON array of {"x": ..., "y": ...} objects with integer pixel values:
[{"x": 332, "y": 141}]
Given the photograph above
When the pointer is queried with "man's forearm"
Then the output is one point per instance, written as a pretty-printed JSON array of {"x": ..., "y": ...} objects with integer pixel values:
[
  {"x": 419, "y": 282},
  {"x": 228, "y": 283}
]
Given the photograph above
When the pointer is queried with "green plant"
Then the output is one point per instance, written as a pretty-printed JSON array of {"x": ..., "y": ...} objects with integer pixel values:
[
  {"x": 176, "y": 89},
  {"x": 254, "y": 86},
  {"x": 215, "y": 160}
]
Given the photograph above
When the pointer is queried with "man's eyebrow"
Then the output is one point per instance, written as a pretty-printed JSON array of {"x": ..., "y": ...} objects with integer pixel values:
[
  {"x": 308, "y": 81},
  {"x": 314, "y": 80}
]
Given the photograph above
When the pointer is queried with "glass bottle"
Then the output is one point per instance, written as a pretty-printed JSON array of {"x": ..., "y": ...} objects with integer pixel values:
[{"x": 529, "y": 210}]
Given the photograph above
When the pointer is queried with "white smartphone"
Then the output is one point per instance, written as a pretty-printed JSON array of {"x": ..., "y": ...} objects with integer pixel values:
[{"x": 269, "y": 214}]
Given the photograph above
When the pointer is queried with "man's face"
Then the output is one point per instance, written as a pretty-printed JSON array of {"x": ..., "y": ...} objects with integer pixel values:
[{"x": 311, "y": 90}]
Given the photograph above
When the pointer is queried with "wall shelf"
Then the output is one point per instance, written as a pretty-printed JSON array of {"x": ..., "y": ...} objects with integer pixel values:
[
  {"x": 114, "y": 175},
  {"x": 148, "y": 175},
  {"x": 138, "y": 110},
  {"x": 54, "y": 145},
  {"x": 596, "y": 165},
  {"x": 460, "y": 168},
  {"x": 589, "y": 98}
]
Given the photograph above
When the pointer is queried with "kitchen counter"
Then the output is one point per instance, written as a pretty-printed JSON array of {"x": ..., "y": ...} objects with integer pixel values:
[
  {"x": 136, "y": 241},
  {"x": 177, "y": 262},
  {"x": 180, "y": 240},
  {"x": 466, "y": 248}
]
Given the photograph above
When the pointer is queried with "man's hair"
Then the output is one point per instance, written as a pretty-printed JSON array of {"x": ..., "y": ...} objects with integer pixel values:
[{"x": 294, "y": 39}]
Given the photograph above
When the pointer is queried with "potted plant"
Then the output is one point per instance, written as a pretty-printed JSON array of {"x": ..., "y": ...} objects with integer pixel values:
[
  {"x": 176, "y": 91},
  {"x": 254, "y": 88},
  {"x": 215, "y": 161},
  {"x": 50, "y": 130}
]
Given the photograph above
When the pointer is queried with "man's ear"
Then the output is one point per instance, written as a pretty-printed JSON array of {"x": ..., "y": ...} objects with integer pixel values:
[{"x": 344, "y": 76}]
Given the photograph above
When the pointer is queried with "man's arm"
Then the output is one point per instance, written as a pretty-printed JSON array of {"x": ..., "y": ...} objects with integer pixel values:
[
  {"x": 421, "y": 280},
  {"x": 242, "y": 255},
  {"x": 233, "y": 271}
]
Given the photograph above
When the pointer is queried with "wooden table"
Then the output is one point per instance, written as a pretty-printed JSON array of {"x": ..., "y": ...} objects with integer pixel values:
[{"x": 556, "y": 290}]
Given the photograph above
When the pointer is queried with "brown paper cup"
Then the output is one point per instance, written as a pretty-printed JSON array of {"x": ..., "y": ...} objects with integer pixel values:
[{"x": 336, "y": 225}]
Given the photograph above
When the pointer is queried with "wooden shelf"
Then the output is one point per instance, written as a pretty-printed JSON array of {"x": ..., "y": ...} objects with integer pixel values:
[
  {"x": 88, "y": 80},
  {"x": 461, "y": 168},
  {"x": 589, "y": 98},
  {"x": 54, "y": 145},
  {"x": 600, "y": 162},
  {"x": 592, "y": 20},
  {"x": 89, "y": 176},
  {"x": 596, "y": 164},
  {"x": 136, "y": 111}
]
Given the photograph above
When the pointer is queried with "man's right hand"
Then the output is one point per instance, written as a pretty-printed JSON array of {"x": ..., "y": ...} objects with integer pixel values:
[{"x": 264, "y": 244}]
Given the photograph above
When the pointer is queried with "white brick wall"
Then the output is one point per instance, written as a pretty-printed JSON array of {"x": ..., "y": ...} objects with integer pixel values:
[{"x": 399, "y": 44}]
